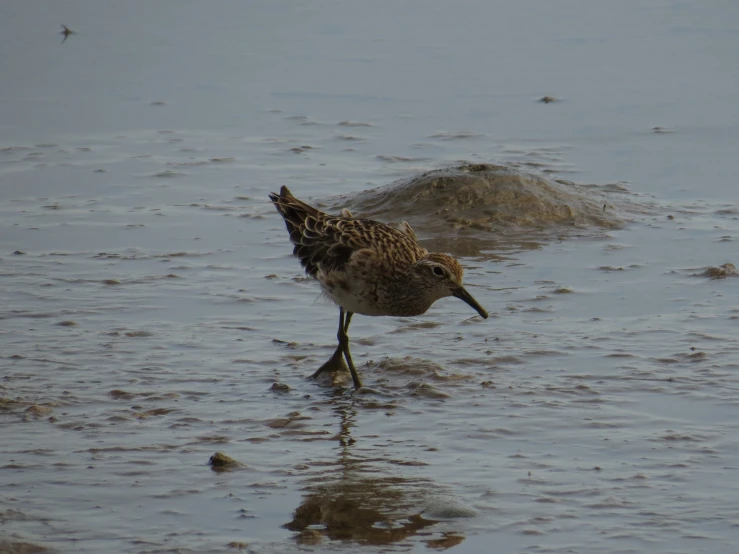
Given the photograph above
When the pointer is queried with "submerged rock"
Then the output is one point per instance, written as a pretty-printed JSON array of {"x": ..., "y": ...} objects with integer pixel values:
[
  {"x": 17, "y": 547},
  {"x": 488, "y": 198},
  {"x": 720, "y": 272},
  {"x": 220, "y": 462}
]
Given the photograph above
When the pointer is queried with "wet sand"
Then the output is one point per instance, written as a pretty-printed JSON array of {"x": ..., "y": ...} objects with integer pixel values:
[{"x": 151, "y": 314}]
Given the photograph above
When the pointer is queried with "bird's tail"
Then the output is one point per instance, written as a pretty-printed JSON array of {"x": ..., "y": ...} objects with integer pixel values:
[
  {"x": 299, "y": 217},
  {"x": 290, "y": 207}
]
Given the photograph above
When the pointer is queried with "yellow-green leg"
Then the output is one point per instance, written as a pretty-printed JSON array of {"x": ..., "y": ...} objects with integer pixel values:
[{"x": 336, "y": 361}]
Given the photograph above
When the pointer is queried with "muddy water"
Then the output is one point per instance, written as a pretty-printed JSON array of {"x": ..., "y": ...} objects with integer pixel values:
[{"x": 151, "y": 314}]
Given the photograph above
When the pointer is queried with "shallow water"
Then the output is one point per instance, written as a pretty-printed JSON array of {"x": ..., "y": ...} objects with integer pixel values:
[{"x": 149, "y": 302}]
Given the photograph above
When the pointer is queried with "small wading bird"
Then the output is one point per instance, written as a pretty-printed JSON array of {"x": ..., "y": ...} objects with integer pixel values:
[{"x": 368, "y": 268}]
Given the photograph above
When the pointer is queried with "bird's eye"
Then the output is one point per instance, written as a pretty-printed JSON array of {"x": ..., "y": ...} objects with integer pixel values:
[{"x": 439, "y": 272}]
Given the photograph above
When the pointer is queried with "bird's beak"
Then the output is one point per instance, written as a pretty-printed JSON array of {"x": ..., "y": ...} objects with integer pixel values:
[{"x": 462, "y": 294}]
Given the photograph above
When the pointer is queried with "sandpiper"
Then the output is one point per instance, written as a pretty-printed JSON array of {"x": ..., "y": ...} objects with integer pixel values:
[{"x": 368, "y": 268}]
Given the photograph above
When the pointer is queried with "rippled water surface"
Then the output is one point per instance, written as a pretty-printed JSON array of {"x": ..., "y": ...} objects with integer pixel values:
[{"x": 151, "y": 313}]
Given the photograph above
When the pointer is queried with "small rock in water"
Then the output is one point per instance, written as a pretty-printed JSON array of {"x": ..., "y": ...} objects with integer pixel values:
[
  {"x": 220, "y": 462},
  {"x": 720, "y": 272},
  {"x": 279, "y": 387},
  {"x": 68, "y": 323},
  {"x": 38, "y": 410}
]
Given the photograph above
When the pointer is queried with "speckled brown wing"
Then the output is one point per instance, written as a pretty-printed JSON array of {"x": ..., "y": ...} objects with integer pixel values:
[
  {"x": 327, "y": 243},
  {"x": 311, "y": 233}
]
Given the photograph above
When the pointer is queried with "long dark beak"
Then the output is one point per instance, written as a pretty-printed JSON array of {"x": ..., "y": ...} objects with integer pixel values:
[{"x": 462, "y": 294}]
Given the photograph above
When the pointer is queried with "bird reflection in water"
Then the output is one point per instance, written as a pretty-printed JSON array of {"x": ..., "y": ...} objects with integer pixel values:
[{"x": 358, "y": 499}]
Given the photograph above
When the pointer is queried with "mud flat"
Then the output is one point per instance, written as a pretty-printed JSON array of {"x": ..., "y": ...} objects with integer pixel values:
[{"x": 151, "y": 312}]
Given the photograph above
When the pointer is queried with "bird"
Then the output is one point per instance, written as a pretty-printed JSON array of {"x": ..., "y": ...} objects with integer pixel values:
[
  {"x": 367, "y": 267},
  {"x": 66, "y": 31}
]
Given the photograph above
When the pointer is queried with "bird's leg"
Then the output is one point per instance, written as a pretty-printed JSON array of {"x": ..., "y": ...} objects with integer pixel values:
[
  {"x": 336, "y": 361},
  {"x": 344, "y": 345}
]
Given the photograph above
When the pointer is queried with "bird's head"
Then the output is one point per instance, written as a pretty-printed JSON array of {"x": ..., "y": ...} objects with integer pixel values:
[{"x": 440, "y": 275}]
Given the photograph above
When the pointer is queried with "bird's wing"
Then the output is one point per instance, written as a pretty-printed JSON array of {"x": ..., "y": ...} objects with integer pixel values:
[{"x": 327, "y": 243}]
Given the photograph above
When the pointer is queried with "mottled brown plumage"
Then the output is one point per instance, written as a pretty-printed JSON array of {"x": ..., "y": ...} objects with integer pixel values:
[{"x": 367, "y": 267}]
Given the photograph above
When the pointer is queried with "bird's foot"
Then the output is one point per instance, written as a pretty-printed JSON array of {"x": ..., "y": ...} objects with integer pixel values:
[{"x": 334, "y": 363}]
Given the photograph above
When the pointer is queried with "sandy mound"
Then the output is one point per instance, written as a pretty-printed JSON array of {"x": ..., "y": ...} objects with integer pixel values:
[{"x": 488, "y": 198}]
